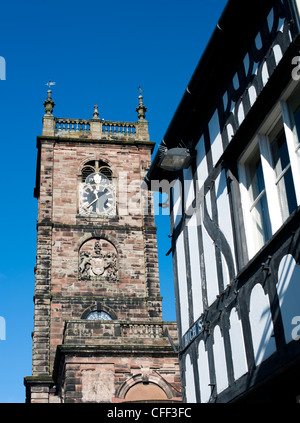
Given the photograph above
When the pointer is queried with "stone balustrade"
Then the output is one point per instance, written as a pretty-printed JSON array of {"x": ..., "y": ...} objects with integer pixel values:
[
  {"x": 141, "y": 330},
  {"x": 95, "y": 128},
  {"x": 71, "y": 126},
  {"x": 122, "y": 128},
  {"x": 99, "y": 332}
]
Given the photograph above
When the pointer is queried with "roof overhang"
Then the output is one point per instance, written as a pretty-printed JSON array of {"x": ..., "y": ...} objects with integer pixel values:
[{"x": 236, "y": 28}]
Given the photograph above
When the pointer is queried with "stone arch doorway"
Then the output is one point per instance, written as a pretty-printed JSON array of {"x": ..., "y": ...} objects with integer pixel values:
[
  {"x": 142, "y": 391},
  {"x": 144, "y": 388}
]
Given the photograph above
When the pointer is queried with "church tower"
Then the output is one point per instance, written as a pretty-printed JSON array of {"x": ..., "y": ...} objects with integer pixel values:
[{"x": 98, "y": 329}]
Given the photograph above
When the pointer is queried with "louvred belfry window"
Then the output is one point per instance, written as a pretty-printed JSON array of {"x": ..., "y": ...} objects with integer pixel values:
[{"x": 96, "y": 166}]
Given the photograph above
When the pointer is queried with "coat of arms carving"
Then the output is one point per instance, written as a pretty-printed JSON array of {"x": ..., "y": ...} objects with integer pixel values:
[{"x": 98, "y": 261}]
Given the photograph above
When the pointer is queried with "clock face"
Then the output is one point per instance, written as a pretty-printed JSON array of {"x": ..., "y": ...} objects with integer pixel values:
[{"x": 97, "y": 195}]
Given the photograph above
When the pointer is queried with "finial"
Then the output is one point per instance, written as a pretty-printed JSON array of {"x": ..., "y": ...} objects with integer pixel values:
[
  {"x": 96, "y": 113},
  {"x": 141, "y": 109},
  {"x": 49, "y": 103}
]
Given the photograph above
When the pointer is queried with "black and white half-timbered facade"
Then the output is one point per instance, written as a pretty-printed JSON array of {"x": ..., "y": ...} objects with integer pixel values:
[{"x": 235, "y": 208}]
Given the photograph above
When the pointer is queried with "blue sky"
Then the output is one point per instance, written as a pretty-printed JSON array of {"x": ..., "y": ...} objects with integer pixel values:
[{"x": 97, "y": 52}]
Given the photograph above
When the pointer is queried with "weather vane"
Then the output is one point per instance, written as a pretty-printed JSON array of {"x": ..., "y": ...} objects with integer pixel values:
[
  {"x": 50, "y": 83},
  {"x": 140, "y": 89}
]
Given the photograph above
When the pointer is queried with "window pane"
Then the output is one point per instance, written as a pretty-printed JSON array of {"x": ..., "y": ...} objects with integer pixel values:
[
  {"x": 294, "y": 104},
  {"x": 256, "y": 181},
  {"x": 285, "y": 183},
  {"x": 297, "y": 122},
  {"x": 280, "y": 153},
  {"x": 259, "y": 206},
  {"x": 260, "y": 215},
  {"x": 287, "y": 194}
]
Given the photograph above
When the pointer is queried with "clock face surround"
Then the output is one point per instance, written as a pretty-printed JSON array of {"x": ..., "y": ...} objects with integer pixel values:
[{"x": 97, "y": 196}]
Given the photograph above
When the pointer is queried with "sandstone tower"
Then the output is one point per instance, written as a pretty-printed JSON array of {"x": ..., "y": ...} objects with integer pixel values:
[{"x": 98, "y": 330}]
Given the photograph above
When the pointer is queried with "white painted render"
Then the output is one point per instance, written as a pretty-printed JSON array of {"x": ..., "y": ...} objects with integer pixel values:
[
  {"x": 215, "y": 137},
  {"x": 201, "y": 162},
  {"x": 223, "y": 207},
  {"x": 252, "y": 94},
  {"x": 177, "y": 202},
  {"x": 230, "y": 132},
  {"x": 220, "y": 361},
  {"x": 189, "y": 381},
  {"x": 288, "y": 289},
  {"x": 261, "y": 325},
  {"x": 204, "y": 378},
  {"x": 189, "y": 191},
  {"x": 210, "y": 267},
  {"x": 237, "y": 345},
  {"x": 195, "y": 267},
  {"x": 265, "y": 73},
  {"x": 241, "y": 113},
  {"x": 277, "y": 53},
  {"x": 182, "y": 283}
]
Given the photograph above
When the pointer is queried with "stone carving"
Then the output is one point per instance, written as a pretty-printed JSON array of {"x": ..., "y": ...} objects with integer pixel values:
[
  {"x": 98, "y": 261},
  {"x": 98, "y": 385}
]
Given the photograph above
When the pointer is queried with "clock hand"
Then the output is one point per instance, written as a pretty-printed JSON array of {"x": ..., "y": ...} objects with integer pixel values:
[{"x": 96, "y": 199}]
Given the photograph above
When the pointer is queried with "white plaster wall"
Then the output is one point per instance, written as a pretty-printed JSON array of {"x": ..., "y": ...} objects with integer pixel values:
[
  {"x": 177, "y": 202},
  {"x": 182, "y": 283},
  {"x": 265, "y": 73},
  {"x": 252, "y": 95},
  {"x": 189, "y": 381},
  {"x": 220, "y": 361},
  {"x": 202, "y": 171},
  {"x": 240, "y": 366},
  {"x": 189, "y": 192},
  {"x": 224, "y": 213},
  {"x": 277, "y": 53},
  {"x": 288, "y": 289},
  {"x": 204, "y": 378},
  {"x": 261, "y": 325},
  {"x": 195, "y": 267},
  {"x": 212, "y": 286},
  {"x": 215, "y": 137}
]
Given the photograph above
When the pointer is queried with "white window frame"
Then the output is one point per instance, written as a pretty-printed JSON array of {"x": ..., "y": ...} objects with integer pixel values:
[
  {"x": 261, "y": 139},
  {"x": 253, "y": 243},
  {"x": 292, "y": 145}
]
